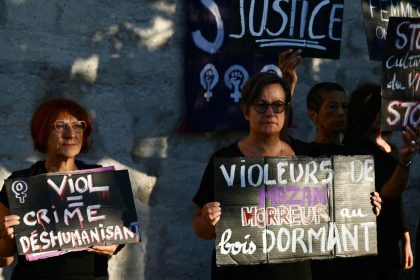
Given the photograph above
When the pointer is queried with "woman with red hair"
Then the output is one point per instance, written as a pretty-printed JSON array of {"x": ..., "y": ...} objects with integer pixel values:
[{"x": 60, "y": 129}]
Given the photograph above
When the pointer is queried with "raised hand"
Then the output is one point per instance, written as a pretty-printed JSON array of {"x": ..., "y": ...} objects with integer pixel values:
[{"x": 288, "y": 61}]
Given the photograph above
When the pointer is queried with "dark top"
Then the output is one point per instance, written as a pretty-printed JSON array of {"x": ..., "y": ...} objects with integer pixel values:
[
  {"x": 204, "y": 195},
  {"x": 77, "y": 265},
  {"x": 390, "y": 223},
  {"x": 319, "y": 150}
]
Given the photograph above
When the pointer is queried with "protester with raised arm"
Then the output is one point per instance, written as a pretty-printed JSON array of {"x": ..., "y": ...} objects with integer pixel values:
[{"x": 391, "y": 174}]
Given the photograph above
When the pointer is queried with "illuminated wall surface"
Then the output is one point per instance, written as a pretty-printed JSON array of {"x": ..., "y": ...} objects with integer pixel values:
[{"x": 124, "y": 61}]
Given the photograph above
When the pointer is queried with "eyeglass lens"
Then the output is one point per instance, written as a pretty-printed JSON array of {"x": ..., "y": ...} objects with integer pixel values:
[
  {"x": 77, "y": 126},
  {"x": 262, "y": 107}
]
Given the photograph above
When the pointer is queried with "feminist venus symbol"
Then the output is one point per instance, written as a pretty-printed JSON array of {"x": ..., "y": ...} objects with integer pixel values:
[
  {"x": 235, "y": 77},
  {"x": 20, "y": 188},
  {"x": 209, "y": 77}
]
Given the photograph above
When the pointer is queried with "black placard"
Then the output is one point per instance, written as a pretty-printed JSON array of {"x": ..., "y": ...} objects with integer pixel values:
[
  {"x": 271, "y": 26},
  {"x": 61, "y": 211},
  {"x": 215, "y": 73},
  {"x": 376, "y": 14},
  {"x": 401, "y": 75},
  {"x": 289, "y": 209}
]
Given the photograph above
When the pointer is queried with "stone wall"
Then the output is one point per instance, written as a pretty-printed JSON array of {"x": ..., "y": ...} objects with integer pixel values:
[{"x": 123, "y": 60}]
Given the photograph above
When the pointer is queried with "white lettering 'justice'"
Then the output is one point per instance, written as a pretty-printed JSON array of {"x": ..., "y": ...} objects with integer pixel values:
[{"x": 293, "y": 23}]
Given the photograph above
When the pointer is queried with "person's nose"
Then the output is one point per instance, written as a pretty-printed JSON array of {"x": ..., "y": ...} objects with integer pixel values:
[
  {"x": 68, "y": 132},
  {"x": 270, "y": 112},
  {"x": 341, "y": 111}
]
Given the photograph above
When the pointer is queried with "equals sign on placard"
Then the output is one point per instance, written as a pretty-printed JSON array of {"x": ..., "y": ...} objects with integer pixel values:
[{"x": 75, "y": 201}]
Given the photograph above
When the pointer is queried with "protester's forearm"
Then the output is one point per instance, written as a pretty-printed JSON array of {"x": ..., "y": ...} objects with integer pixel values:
[
  {"x": 203, "y": 228},
  {"x": 406, "y": 238},
  {"x": 396, "y": 184},
  {"x": 7, "y": 244},
  {"x": 7, "y": 248},
  {"x": 5, "y": 261}
]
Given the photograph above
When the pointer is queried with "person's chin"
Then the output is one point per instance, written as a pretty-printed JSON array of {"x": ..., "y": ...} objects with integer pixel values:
[
  {"x": 269, "y": 125},
  {"x": 70, "y": 152},
  {"x": 341, "y": 126},
  {"x": 270, "y": 129}
]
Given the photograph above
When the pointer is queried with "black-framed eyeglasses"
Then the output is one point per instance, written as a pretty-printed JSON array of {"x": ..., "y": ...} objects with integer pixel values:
[
  {"x": 77, "y": 126},
  {"x": 277, "y": 106}
]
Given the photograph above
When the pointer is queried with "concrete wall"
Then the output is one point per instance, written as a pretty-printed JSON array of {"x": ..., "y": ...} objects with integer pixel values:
[{"x": 123, "y": 60}]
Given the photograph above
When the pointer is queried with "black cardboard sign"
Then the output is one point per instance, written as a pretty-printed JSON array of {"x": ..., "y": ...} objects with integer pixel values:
[
  {"x": 401, "y": 75},
  {"x": 282, "y": 209},
  {"x": 69, "y": 211},
  {"x": 271, "y": 26},
  {"x": 376, "y": 14},
  {"x": 215, "y": 72}
]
